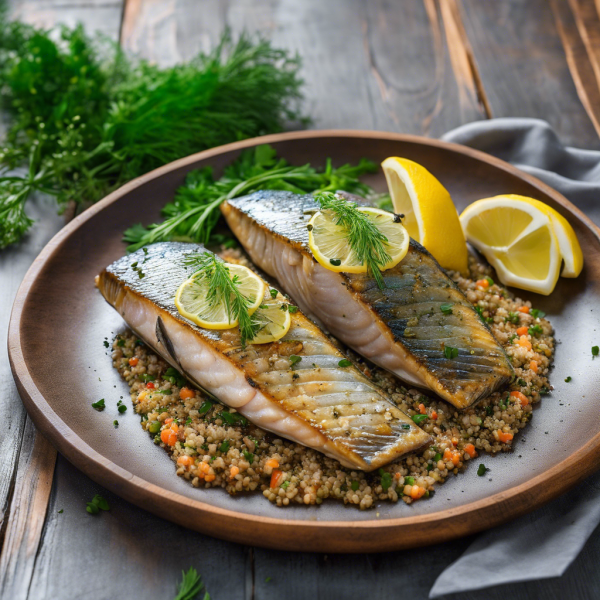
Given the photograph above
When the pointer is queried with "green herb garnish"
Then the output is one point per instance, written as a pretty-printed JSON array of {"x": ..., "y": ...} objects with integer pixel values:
[
  {"x": 121, "y": 408},
  {"x": 513, "y": 317},
  {"x": 106, "y": 344},
  {"x": 223, "y": 289},
  {"x": 146, "y": 377},
  {"x": 248, "y": 456},
  {"x": 191, "y": 585},
  {"x": 409, "y": 480},
  {"x": 354, "y": 485},
  {"x": 535, "y": 330},
  {"x": 205, "y": 407},
  {"x": 450, "y": 352},
  {"x": 364, "y": 238},
  {"x": 97, "y": 504},
  {"x": 482, "y": 470},
  {"x": 224, "y": 446},
  {"x": 115, "y": 424},
  {"x": 345, "y": 363},
  {"x": 175, "y": 377},
  {"x": 386, "y": 480},
  {"x": 121, "y": 343},
  {"x": 536, "y": 313},
  {"x": 418, "y": 419},
  {"x": 595, "y": 350},
  {"x": 99, "y": 406},
  {"x": 295, "y": 359},
  {"x": 273, "y": 293},
  {"x": 446, "y": 308},
  {"x": 292, "y": 309},
  {"x": 567, "y": 379},
  {"x": 489, "y": 280},
  {"x": 336, "y": 262},
  {"x": 154, "y": 427}
]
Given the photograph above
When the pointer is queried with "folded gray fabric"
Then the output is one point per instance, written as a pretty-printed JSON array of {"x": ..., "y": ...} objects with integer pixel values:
[{"x": 526, "y": 548}]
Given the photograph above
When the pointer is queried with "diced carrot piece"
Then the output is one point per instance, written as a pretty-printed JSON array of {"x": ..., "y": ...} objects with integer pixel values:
[
  {"x": 150, "y": 385},
  {"x": 522, "y": 330},
  {"x": 168, "y": 420},
  {"x": 142, "y": 395},
  {"x": 523, "y": 309},
  {"x": 276, "y": 477},
  {"x": 455, "y": 458},
  {"x": 168, "y": 437},
  {"x": 204, "y": 469},
  {"x": 470, "y": 450},
  {"x": 422, "y": 409},
  {"x": 273, "y": 463},
  {"x": 482, "y": 283},
  {"x": 233, "y": 471},
  {"x": 210, "y": 477},
  {"x": 174, "y": 427},
  {"x": 524, "y": 342},
  {"x": 133, "y": 361},
  {"x": 447, "y": 454},
  {"x": 417, "y": 492},
  {"x": 520, "y": 396},
  {"x": 434, "y": 415},
  {"x": 533, "y": 366},
  {"x": 185, "y": 461},
  {"x": 505, "y": 437},
  {"x": 454, "y": 441},
  {"x": 186, "y": 393}
]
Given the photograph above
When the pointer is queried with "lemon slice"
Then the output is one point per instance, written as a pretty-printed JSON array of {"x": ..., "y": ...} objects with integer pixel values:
[
  {"x": 429, "y": 213},
  {"x": 568, "y": 243},
  {"x": 517, "y": 237},
  {"x": 192, "y": 303},
  {"x": 329, "y": 242},
  {"x": 274, "y": 320}
]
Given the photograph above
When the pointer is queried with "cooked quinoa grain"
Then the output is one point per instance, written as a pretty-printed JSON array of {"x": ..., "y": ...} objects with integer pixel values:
[{"x": 214, "y": 446}]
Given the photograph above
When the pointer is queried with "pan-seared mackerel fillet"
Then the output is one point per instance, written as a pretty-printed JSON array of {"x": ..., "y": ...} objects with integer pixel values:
[
  {"x": 400, "y": 328},
  {"x": 335, "y": 410}
]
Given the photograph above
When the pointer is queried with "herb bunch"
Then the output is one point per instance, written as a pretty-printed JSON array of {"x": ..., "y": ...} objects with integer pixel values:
[
  {"x": 85, "y": 118},
  {"x": 365, "y": 239},
  {"x": 194, "y": 212},
  {"x": 224, "y": 289}
]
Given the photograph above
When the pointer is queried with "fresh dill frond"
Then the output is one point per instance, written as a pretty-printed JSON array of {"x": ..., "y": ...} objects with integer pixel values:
[
  {"x": 365, "y": 239},
  {"x": 224, "y": 289},
  {"x": 191, "y": 585}
]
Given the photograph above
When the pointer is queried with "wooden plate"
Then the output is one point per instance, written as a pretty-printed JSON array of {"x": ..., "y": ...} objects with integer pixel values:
[{"x": 59, "y": 323}]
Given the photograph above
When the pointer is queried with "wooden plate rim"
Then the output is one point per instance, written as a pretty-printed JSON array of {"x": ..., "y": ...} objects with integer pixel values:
[{"x": 286, "y": 534}]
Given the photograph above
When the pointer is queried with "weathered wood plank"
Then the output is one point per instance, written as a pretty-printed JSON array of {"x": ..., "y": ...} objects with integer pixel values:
[
  {"x": 27, "y": 514},
  {"x": 125, "y": 552},
  {"x": 366, "y": 65},
  {"x": 522, "y": 63}
]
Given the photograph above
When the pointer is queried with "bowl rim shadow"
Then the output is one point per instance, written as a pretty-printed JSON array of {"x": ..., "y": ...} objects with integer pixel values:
[{"x": 344, "y": 536}]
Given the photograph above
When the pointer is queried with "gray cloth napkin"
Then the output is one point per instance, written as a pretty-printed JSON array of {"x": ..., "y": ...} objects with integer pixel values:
[{"x": 526, "y": 549}]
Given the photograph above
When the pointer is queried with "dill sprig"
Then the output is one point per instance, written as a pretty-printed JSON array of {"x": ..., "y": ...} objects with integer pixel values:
[
  {"x": 224, "y": 289},
  {"x": 191, "y": 585},
  {"x": 194, "y": 212},
  {"x": 365, "y": 239}
]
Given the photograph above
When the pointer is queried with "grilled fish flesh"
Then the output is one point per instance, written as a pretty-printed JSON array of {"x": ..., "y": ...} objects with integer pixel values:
[
  {"x": 335, "y": 410},
  {"x": 401, "y": 328}
]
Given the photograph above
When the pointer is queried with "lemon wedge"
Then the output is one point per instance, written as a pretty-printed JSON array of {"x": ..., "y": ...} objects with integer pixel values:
[
  {"x": 516, "y": 235},
  {"x": 429, "y": 213},
  {"x": 273, "y": 318},
  {"x": 192, "y": 302},
  {"x": 329, "y": 241}
]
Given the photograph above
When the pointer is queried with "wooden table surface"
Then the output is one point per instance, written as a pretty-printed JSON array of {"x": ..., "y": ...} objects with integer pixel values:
[{"x": 414, "y": 66}]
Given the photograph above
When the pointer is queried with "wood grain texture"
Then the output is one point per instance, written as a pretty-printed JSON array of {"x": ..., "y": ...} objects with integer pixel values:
[
  {"x": 28, "y": 512},
  {"x": 401, "y": 75},
  {"x": 528, "y": 67}
]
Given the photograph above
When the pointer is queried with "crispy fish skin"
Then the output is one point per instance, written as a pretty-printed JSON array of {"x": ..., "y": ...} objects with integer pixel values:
[
  {"x": 335, "y": 410},
  {"x": 400, "y": 328}
]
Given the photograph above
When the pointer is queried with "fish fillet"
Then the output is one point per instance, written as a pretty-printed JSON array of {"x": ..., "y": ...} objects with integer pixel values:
[
  {"x": 401, "y": 328},
  {"x": 335, "y": 410}
]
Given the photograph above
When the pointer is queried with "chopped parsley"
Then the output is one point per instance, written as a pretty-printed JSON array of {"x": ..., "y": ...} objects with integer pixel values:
[
  {"x": 405, "y": 426},
  {"x": 175, "y": 377},
  {"x": 513, "y": 317},
  {"x": 106, "y": 344},
  {"x": 336, "y": 262},
  {"x": 296, "y": 359},
  {"x": 386, "y": 480},
  {"x": 418, "y": 419},
  {"x": 121, "y": 408},
  {"x": 354, "y": 485},
  {"x": 536, "y": 313},
  {"x": 450, "y": 352},
  {"x": 567, "y": 379},
  {"x": 120, "y": 343},
  {"x": 273, "y": 293},
  {"x": 97, "y": 504},
  {"x": 233, "y": 418},
  {"x": 409, "y": 480},
  {"x": 99, "y": 405},
  {"x": 115, "y": 423},
  {"x": 292, "y": 309},
  {"x": 482, "y": 470},
  {"x": 61, "y": 511},
  {"x": 595, "y": 350},
  {"x": 446, "y": 308},
  {"x": 344, "y": 363},
  {"x": 248, "y": 456},
  {"x": 146, "y": 377},
  {"x": 206, "y": 406},
  {"x": 489, "y": 280},
  {"x": 224, "y": 446},
  {"x": 285, "y": 485},
  {"x": 535, "y": 330}
]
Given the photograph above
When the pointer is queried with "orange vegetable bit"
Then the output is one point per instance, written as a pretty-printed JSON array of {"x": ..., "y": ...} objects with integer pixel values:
[
  {"x": 186, "y": 393},
  {"x": 447, "y": 454},
  {"x": 505, "y": 437},
  {"x": 422, "y": 409},
  {"x": 276, "y": 477},
  {"x": 533, "y": 366},
  {"x": 185, "y": 461},
  {"x": 482, "y": 283},
  {"x": 524, "y": 342},
  {"x": 168, "y": 420},
  {"x": 233, "y": 471},
  {"x": 150, "y": 385},
  {"x": 272, "y": 462},
  {"x": 434, "y": 415},
  {"x": 417, "y": 491},
  {"x": 133, "y": 361},
  {"x": 524, "y": 309},
  {"x": 470, "y": 450},
  {"x": 522, "y": 397},
  {"x": 210, "y": 477},
  {"x": 522, "y": 330},
  {"x": 203, "y": 469},
  {"x": 168, "y": 437}
]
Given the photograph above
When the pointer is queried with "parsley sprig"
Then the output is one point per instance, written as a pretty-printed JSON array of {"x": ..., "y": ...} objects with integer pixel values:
[
  {"x": 191, "y": 585},
  {"x": 365, "y": 239},
  {"x": 224, "y": 289}
]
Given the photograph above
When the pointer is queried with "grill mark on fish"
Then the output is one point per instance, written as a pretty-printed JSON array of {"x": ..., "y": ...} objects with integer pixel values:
[
  {"x": 335, "y": 410},
  {"x": 401, "y": 327}
]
